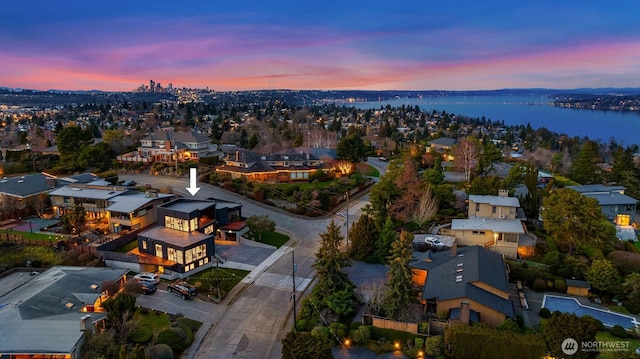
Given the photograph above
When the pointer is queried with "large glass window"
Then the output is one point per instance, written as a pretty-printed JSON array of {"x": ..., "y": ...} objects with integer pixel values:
[
  {"x": 174, "y": 255},
  {"x": 195, "y": 253}
]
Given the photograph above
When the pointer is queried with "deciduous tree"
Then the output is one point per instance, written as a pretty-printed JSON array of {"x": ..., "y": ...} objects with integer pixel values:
[
  {"x": 120, "y": 310},
  {"x": 565, "y": 325},
  {"x": 466, "y": 153},
  {"x": 603, "y": 276},
  {"x": 260, "y": 224}
]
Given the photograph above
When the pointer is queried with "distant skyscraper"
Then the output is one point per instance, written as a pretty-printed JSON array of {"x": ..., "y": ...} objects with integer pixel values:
[{"x": 152, "y": 85}]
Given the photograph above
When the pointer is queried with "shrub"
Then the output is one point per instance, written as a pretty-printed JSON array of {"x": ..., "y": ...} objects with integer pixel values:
[
  {"x": 320, "y": 331},
  {"x": 545, "y": 313},
  {"x": 593, "y": 321},
  {"x": 549, "y": 284},
  {"x": 619, "y": 332},
  {"x": 160, "y": 351},
  {"x": 560, "y": 285},
  {"x": 194, "y": 325},
  {"x": 361, "y": 335},
  {"x": 141, "y": 334},
  {"x": 539, "y": 285},
  {"x": 301, "y": 325},
  {"x": 419, "y": 343},
  {"x": 172, "y": 339},
  {"x": 626, "y": 262},
  {"x": 423, "y": 327},
  {"x": 434, "y": 346}
]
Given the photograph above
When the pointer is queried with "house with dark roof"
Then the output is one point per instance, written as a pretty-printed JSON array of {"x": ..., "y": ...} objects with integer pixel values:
[
  {"x": 184, "y": 239},
  {"x": 46, "y": 315},
  {"x": 285, "y": 166},
  {"x": 170, "y": 147},
  {"x": 494, "y": 222},
  {"x": 469, "y": 283},
  {"x": 617, "y": 206}
]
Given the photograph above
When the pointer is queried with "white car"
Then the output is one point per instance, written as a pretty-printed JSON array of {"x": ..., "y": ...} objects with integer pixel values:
[
  {"x": 434, "y": 242},
  {"x": 146, "y": 276}
]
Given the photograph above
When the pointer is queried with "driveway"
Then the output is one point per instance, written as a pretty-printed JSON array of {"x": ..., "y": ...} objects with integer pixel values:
[{"x": 258, "y": 313}]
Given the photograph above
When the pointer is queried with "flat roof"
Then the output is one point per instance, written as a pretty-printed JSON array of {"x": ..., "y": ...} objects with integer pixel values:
[
  {"x": 35, "y": 316},
  {"x": 175, "y": 237},
  {"x": 494, "y": 225},
  {"x": 188, "y": 205}
]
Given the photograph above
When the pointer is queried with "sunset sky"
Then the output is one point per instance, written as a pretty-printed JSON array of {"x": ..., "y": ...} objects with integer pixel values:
[{"x": 376, "y": 45}]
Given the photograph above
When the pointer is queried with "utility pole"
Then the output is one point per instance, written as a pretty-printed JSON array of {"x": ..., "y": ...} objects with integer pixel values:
[
  {"x": 293, "y": 293},
  {"x": 347, "y": 222}
]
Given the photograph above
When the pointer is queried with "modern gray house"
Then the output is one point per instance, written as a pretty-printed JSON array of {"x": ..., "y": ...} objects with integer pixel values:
[{"x": 617, "y": 206}]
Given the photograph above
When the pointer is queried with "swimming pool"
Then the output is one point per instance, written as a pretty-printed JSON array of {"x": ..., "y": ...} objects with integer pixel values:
[{"x": 571, "y": 305}]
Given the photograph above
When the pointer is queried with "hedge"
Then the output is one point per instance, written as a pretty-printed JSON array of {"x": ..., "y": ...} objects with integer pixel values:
[
  {"x": 480, "y": 342},
  {"x": 141, "y": 334}
]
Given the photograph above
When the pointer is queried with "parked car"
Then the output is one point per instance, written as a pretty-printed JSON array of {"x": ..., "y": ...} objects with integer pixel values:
[
  {"x": 146, "y": 276},
  {"x": 147, "y": 287},
  {"x": 433, "y": 242},
  {"x": 129, "y": 183},
  {"x": 384, "y": 159},
  {"x": 183, "y": 290}
]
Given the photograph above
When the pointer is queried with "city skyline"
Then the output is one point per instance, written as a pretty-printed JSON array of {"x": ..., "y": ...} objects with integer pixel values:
[{"x": 403, "y": 45}]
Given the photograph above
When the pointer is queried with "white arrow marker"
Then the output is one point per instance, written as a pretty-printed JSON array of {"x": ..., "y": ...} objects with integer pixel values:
[{"x": 193, "y": 175}]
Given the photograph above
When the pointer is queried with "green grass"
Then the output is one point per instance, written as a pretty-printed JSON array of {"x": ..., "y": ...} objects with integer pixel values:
[
  {"x": 127, "y": 247},
  {"x": 273, "y": 238},
  {"x": 608, "y": 337},
  {"x": 373, "y": 172},
  {"x": 615, "y": 308},
  {"x": 35, "y": 236},
  {"x": 230, "y": 278},
  {"x": 159, "y": 321},
  {"x": 637, "y": 244},
  {"x": 562, "y": 181}
]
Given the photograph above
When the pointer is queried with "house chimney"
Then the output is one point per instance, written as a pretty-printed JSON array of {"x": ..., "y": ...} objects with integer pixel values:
[
  {"x": 465, "y": 312},
  {"x": 84, "y": 326},
  {"x": 454, "y": 249},
  {"x": 503, "y": 193}
]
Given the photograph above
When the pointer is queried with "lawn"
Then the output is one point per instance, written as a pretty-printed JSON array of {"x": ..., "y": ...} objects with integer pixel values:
[
  {"x": 372, "y": 172},
  {"x": 150, "y": 323},
  {"x": 272, "y": 238},
  {"x": 35, "y": 236},
  {"x": 228, "y": 278},
  {"x": 637, "y": 244},
  {"x": 608, "y": 337}
]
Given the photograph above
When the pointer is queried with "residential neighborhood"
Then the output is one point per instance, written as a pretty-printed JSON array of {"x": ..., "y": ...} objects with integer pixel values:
[{"x": 392, "y": 231}]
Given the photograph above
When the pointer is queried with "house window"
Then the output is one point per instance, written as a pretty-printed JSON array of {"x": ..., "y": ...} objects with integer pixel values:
[
  {"x": 630, "y": 208},
  {"x": 478, "y": 232},
  {"x": 159, "y": 250},
  {"x": 493, "y": 209},
  {"x": 67, "y": 200},
  {"x": 615, "y": 208},
  {"x": 477, "y": 207},
  {"x": 144, "y": 244}
]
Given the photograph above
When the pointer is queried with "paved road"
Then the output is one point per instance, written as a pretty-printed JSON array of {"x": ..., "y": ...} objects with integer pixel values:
[{"x": 253, "y": 321}]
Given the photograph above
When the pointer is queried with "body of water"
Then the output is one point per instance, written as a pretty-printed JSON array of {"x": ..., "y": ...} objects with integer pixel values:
[{"x": 624, "y": 127}]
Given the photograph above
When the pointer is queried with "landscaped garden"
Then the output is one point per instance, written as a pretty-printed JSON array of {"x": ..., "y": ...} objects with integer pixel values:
[{"x": 216, "y": 283}]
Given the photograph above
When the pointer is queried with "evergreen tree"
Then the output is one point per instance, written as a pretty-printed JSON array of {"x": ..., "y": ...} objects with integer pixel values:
[
  {"x": 585, "y": 168},
  {"x": 386, "y": 238},
  {"x": 329, "y": 261},
  {"x": 362, "y": 236},
  {"x": 400, "y": 292},
  {"x": 603, "y": 276},
  {"x": 297, "y": 345}
]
